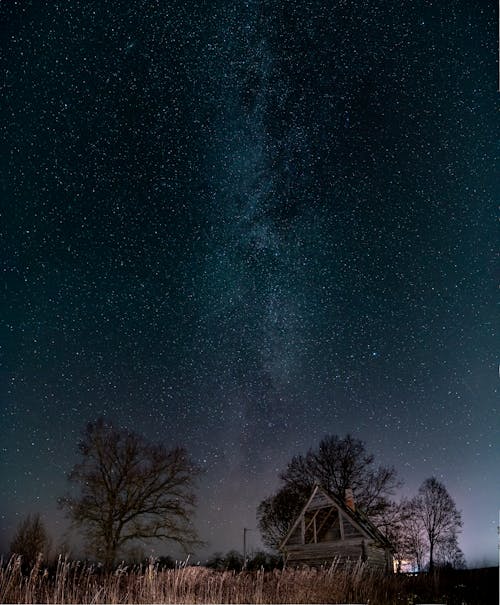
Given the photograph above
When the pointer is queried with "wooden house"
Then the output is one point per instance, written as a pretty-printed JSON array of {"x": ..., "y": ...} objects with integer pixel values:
[{"x": 328, "y": 529}]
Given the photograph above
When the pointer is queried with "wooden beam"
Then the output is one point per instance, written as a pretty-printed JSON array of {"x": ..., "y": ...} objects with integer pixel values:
[
  {"x": 311, "y": 522},
  {"x": 295, "y": 525},
  {"x": 332, "y": 508}
]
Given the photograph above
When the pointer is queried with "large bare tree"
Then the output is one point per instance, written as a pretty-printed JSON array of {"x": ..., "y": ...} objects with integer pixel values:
[
  {"x": 130, "y": 490},
  {"x": 438, "y": 517},
  {"x": 337, "y": 464}
]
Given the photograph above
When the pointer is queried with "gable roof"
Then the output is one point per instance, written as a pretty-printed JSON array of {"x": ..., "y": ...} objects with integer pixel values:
[{"x": 356, "y": 517}]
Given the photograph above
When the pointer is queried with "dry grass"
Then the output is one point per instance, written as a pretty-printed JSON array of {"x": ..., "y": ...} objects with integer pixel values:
[{"x": 74, "y": 582}]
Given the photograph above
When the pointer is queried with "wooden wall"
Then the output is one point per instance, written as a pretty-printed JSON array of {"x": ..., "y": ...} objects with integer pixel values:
[{"x": 325, "y": 553}]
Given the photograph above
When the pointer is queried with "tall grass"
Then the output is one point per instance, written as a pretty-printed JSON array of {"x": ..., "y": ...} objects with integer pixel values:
[{"x": 75, "y": 582}]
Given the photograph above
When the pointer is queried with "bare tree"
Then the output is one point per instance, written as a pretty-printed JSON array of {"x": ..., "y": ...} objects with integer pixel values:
[
  {"x": 409, "y": 523},
  {"x": 339, "y": 464},
  {"x": 31, "y": 540},
  {"x": 336, "y": 464},
  {"x": 392, "y": 523},
  {"x": 438, "y": 516},
  {"x": 412, "y": 540},
  {"x": 130, "y": 490}
]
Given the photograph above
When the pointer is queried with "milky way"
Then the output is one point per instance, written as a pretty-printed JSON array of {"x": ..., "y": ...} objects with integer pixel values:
[{"x": 240, "y": 226}]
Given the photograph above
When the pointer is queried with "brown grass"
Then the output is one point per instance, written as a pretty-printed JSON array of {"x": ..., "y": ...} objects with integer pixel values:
[{"x": 75, "y": 582}]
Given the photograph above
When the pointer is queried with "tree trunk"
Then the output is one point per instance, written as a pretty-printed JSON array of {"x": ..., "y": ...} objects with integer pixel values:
[
  {"x": 109, "y": 559},
  {"x": 110, "y": 555}
]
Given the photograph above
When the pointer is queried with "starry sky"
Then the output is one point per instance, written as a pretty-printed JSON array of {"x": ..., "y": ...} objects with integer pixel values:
[{"x": 241, "y": 225}]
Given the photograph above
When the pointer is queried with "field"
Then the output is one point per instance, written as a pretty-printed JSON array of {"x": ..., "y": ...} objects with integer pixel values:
[{"x": 76, "y": 582}]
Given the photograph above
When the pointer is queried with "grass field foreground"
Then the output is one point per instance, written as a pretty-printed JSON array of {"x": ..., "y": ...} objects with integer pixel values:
[{"x": 77, "y": 582}]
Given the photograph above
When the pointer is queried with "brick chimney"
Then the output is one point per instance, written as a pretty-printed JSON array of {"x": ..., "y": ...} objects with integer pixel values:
[{"x": 349, "y": 499}]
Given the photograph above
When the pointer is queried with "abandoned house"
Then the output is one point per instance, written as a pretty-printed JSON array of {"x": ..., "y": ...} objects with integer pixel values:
[{"x": 328, "y": 529}]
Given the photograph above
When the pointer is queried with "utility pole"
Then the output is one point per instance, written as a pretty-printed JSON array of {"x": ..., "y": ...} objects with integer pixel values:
[{"x": 245, "y": 529}]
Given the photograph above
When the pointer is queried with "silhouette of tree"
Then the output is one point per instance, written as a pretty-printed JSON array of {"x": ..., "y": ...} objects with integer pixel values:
[
  {"x": 31, "y": 540},
  {"x": 438, "y": 518},
  {"x": 277, "y": 513},
  {"x": 130, "y": 489}
]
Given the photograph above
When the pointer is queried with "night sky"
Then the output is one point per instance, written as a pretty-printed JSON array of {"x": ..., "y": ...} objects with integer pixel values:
[{"x": 241, "y": 225}]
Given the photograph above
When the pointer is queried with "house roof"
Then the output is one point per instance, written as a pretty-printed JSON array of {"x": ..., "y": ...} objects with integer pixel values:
[{"x": 357, "y": 517}]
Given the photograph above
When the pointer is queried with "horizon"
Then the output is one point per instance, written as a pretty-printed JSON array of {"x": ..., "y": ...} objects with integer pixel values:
[{"x": 476, "y": 555}]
